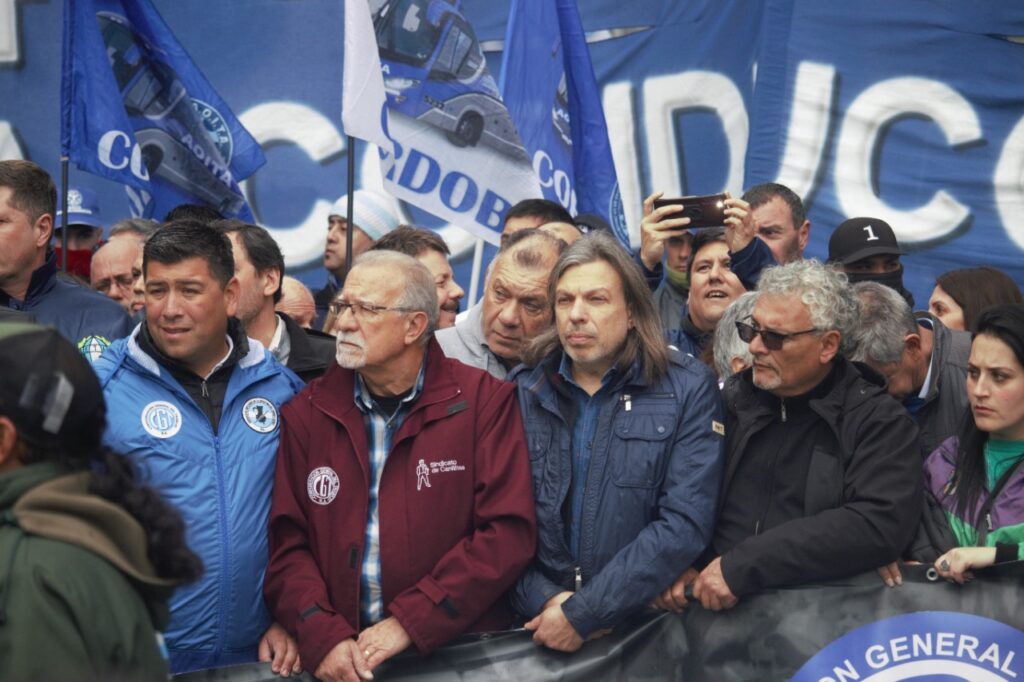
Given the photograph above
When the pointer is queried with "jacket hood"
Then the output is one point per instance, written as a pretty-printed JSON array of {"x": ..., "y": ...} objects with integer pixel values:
[
  {"x": 54, "y": 504},
  {"x": 46, "y": 500}
]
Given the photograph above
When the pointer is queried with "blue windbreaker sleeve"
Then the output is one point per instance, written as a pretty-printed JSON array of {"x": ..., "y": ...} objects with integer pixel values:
[{"x": 652, "y": 277}]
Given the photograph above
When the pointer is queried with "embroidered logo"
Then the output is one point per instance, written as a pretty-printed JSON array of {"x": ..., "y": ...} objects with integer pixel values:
[
  {"x": 322, "y": 485},
  {"x": 92, "y": 347},
  {"x": 161, "y": 419},
  {"x": 424, "y": 470},
  {"x": 75, "y": 202},
  {"x": 260, "y": 415},
  {"x": 422, "y": 475}
]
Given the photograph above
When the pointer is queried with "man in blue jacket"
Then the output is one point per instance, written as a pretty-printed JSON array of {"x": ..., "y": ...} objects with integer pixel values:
[
  {"x": 625, "y": 439},
  {"x": 29, "y": 281},
  {"x": 195, "y": 403}
]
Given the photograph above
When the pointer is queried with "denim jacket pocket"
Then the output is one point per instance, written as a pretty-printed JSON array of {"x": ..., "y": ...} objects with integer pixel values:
[{"x": 636, "y": 458}]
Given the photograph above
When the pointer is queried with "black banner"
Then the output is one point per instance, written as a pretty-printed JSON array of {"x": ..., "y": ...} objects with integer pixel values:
[{"x": 818, "y": 633}]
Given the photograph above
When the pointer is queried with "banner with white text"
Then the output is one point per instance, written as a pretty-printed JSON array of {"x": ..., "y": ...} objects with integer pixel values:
[{"x": 854, "y": 630}]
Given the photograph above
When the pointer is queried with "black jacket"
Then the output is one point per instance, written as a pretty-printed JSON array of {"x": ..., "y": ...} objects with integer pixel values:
[
  {"x": 312, "y": 351},
  {"x": 322, "y": 300},
  {"x": 862, "y": 498}
]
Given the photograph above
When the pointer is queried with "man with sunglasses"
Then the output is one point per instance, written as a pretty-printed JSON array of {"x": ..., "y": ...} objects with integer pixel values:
[
  {"x": 822, "y": 474},
  {"x": 403, "y": 505}
]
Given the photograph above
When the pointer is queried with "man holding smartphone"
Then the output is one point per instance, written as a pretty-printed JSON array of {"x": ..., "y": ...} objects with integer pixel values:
[{"x": 742, "y": 258}]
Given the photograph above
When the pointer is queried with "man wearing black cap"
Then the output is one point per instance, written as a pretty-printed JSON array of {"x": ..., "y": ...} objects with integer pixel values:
[
  {"x": 867, "y": 251},
  {"x": 28, "y": 268}
]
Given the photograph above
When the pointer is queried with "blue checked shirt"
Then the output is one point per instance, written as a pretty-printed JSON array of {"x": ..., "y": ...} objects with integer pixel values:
[
  {"x": 380, "y": 428},
  {"x": 588, "y": 410}
]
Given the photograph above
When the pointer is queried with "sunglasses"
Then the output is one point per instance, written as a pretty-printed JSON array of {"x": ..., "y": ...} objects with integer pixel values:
[{"x": 771, "y": 340}]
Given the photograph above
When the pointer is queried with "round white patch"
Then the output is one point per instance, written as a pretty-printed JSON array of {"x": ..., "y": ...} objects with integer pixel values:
[
  {"x": 161, "y": 419},
  {"x": 322, "y": 485},
  {"x": 260, "y": 415}
]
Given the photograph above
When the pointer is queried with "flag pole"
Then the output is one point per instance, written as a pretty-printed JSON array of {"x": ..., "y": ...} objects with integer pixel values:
[
  {"x": 474, "y": 277},
  {"x": 351, "y": 186},
  {"x": 64, "y": 213}
]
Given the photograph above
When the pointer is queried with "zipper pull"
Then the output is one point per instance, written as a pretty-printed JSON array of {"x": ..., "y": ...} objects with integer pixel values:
[
  {"x": 783, "y": 402},
  {"x": 988, "y": 520},
  {"x": 206, "y": 394},
  {"x": 757, "y": 527},
  {"x": 579, "y": 579},
  {"x": 628, "y": 400}
]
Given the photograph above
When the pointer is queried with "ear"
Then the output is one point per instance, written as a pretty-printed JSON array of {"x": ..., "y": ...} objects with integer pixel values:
[
  {"x": 830, "y": 342},
  {"x": 231, "y": 291},
  {"x": 44, "y": 230},
  {"x": 805, "y": 234},
  {"x": 415, "y": 326},
  {"x": 912, "y": 344},
  {"x": 8, "y": 444},
  {"x": 737, "y": 364},
  {"x": 271, "y": 281}
]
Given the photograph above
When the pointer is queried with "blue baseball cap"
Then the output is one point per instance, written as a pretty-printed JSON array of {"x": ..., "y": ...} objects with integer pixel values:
[{"x": 83, "y": 209}]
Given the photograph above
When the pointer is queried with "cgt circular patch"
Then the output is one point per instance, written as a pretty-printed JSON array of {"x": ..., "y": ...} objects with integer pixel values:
[
  {"x": 161, "y": 419},
  {"x": 322, "y": 485},
  {"x": 260, "y": 415}
]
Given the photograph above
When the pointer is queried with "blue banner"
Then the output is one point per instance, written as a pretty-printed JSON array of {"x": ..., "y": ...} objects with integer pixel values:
[
  {"x": 549, "y": 87},
  {"x": 136, "y": 110},
  {"x": 903, "y": 111},
  {"x": 857, "y": 106}
]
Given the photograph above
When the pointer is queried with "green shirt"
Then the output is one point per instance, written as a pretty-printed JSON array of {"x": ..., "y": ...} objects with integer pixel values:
[{"x": 1000, "y": 455}]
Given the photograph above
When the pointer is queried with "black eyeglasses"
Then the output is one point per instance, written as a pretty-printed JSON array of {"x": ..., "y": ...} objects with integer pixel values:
[
  {"x": 364, "y": 311},
  {"x": 772, "y": 340}
]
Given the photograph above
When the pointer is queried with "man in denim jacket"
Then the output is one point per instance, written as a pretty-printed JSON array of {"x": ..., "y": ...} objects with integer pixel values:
[{"x": 625, "y": 444}]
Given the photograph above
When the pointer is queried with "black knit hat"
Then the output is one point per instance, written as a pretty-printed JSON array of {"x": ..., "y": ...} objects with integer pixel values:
[{"x": 48, "y": 389}]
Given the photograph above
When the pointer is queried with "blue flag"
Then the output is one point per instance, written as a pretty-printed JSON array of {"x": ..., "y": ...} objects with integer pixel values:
[
  {"x": 548, "y": 85},
  {"x": 136, "y": 110}
]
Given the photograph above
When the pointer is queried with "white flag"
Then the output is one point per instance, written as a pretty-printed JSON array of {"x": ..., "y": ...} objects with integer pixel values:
[
  {"x": 363, "y": 98},
  {"x": 417, "y": 85}
]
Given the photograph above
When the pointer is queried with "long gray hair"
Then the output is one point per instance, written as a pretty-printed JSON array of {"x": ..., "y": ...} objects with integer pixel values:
[{"x": 645, "y": 341}]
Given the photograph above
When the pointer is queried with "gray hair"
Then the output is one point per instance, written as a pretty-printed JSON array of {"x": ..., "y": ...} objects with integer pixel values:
[
  {"x": 885, "y": 320},
  {"x": 419, "y": 293},
  {"x": 824, "y": 289},
  {"x": 727, "y": 343},
  {"x": 140, "y": 226}
]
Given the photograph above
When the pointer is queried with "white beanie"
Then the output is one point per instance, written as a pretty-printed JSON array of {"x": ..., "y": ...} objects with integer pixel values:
[{"x": 371, "y": 212}]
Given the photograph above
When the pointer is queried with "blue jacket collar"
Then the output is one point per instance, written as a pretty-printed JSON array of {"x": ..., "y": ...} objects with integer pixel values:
[{"x": 43, "y": 279}]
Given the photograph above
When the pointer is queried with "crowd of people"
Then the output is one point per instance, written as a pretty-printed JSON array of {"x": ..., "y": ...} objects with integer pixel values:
[{"x": 202, "y": 463}]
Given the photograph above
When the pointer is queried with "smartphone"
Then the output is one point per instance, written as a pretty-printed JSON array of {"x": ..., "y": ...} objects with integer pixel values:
[{"x": 703, "y": 211}]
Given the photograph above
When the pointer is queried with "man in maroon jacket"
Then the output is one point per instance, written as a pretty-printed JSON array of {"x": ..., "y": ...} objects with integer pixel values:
[{"x": 402, "y": 506}]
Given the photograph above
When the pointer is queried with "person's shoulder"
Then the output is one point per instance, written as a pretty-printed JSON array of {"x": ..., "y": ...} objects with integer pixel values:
[
  {"x": 685, "y": 364},
  {"x": 452, "y": 341},
  {"x": 110, "y": 360},
  {"x": 69, "y": 292},
  {"x": 859, "y": 384},
  {"x": 72, "y": 570}
]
